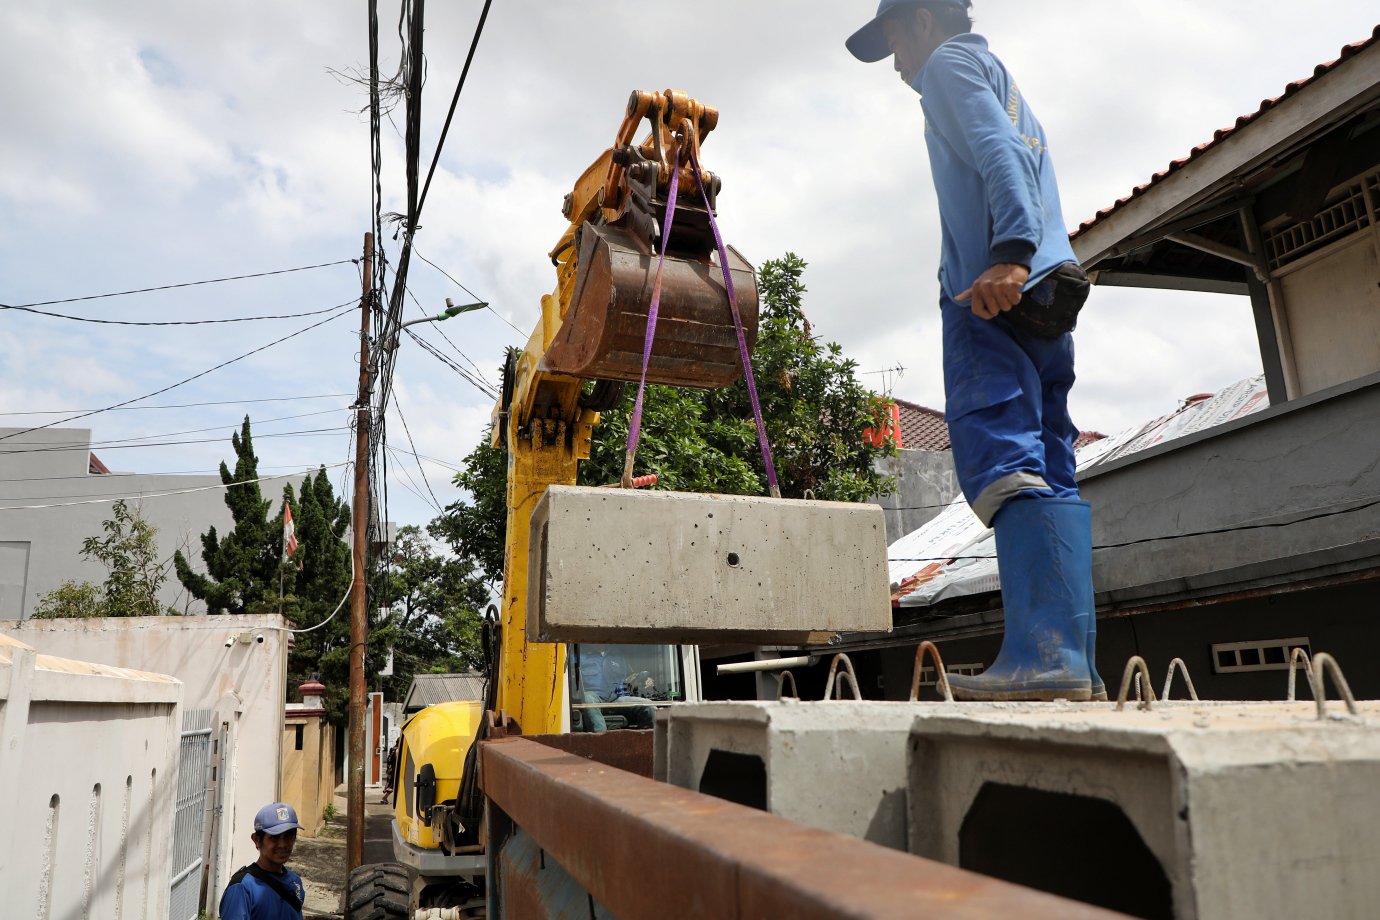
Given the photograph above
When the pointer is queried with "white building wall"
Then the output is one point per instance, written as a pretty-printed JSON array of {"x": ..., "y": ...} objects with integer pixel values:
[
  {"x": 244, "y": 683},
  {"x": 88, "y": 772},
  {"x": 40, "y": 548}
]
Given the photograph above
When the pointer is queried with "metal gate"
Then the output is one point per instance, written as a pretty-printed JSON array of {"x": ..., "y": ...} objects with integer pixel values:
[{"x": 189, "y": 821}]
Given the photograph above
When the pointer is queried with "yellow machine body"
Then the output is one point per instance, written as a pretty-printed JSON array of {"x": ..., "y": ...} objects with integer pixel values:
[
  {"x": 539, "y": 421},
  {"x": 439, "y": 735}
]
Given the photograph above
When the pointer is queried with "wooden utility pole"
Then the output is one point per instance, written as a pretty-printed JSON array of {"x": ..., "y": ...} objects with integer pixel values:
[{"x": 359, "y": 627}]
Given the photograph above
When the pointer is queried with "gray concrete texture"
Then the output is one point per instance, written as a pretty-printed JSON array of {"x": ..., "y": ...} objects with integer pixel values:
[
  {"x": 1249, "y": 809},
  {"x": 40, "y": 548},
  {"x": 925, "y": 484},
  {"x": 620, "y": 565}
]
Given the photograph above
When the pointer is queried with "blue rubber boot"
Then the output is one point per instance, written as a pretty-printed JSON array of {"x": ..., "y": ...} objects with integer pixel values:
[{"x": 1044, "y": 548}]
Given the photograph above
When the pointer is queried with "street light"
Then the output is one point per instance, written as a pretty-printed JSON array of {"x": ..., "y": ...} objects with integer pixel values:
[{"x": 450, "y": 310}]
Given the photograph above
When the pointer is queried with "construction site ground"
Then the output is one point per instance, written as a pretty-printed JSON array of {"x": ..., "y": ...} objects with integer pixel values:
[{"x": 320, "y": 860}]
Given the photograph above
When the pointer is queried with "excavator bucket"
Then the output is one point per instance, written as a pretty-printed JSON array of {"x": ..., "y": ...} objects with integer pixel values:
[
  {"x": 615, "y": 239},
  {"x": 603, "y": 333}
]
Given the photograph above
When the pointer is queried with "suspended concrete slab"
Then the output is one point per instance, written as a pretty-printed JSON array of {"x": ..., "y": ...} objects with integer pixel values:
[{"x": 631, "y": 566}]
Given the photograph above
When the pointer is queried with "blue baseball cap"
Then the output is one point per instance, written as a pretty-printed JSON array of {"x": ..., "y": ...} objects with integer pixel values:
[
  {"x": 868, "y": 44},
  {"x": 276, "y": 818}
]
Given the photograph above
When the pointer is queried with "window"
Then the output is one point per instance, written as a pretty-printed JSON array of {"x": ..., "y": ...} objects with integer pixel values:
[
  {"x": 927, "y": 678},
  {"x": 619, "y": 675},
  {"x": 300, "y": 729},
  {"x": 1260, "y": 655},
  {"x": 409, "y": 777}
]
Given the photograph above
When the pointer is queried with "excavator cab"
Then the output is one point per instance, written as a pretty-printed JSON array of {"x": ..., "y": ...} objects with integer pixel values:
[{"x": 621, "y": 686}]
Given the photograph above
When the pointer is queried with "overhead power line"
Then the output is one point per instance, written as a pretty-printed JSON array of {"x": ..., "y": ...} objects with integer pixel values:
[
  {"x": 481, "y": 385},
  {"x": 464, "y": 72},
  {"x": 223, "y": 402},
  {"x": 177, "y": 322},
  {"x": 466, "y": 290},
  {"x": 136, "y": 497},
  {"x": 169, "y": 287},
  {"x": 173, "y": 386},
  {"x": 51, "y": 448}
]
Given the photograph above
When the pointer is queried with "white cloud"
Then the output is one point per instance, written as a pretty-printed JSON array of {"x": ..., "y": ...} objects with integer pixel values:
[{"x": 150, "y": 142}]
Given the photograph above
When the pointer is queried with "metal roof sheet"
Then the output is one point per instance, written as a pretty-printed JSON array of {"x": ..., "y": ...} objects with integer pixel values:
[{"x": 430, "y": 689}]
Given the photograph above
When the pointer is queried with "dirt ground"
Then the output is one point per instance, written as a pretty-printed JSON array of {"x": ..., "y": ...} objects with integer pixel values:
[{"x": 320, "y": 861}]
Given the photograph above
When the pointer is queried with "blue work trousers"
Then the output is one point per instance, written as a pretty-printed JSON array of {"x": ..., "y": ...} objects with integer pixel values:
[{"x": 1007, "y": 408}]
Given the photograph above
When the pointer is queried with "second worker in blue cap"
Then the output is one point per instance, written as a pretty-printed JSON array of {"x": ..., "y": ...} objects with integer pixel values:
[{"x": 1010, "y": 292}]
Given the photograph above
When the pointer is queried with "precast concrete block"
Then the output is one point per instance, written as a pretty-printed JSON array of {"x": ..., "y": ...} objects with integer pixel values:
[
  {"x": 625, "y": 565},
  {"x": 838, "y": 765},
  {"x": 1229, "y": 810}
]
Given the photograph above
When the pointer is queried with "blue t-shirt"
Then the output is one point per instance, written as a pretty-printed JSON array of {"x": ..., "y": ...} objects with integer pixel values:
[
  {"x": 998, "y": 197},
  {"x": 251, "y": 899}
]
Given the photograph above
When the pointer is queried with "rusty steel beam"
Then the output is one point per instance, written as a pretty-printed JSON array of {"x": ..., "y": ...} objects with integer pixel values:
[
  {"x": 627, "y": 749},
  {"x": 651, "y": 851}
]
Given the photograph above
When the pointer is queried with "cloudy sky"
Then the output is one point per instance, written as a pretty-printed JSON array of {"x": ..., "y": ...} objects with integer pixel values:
[{"x": 153, "y": 142}]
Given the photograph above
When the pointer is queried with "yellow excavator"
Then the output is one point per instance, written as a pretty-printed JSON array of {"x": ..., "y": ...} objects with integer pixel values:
[{"x": 587, "y": 345}]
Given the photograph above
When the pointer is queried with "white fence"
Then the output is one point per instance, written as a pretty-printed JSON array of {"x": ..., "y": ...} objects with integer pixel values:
[
  {"x": 88, "y": 755},
  {"x": 189, "y": 821}
]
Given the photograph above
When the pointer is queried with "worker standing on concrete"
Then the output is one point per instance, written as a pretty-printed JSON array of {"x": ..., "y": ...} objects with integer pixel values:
[
  {"x": 1010, "y": 291},
  {"x": 267, "y": 889}
]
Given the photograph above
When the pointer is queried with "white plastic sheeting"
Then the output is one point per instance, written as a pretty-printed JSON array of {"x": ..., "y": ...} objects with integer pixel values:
[{"x": 954, "y": 555}]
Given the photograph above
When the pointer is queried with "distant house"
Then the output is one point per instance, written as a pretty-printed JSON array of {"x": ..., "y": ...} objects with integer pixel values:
[
  {"x": 55, "y": 492},
  {"x": 924, "y": 470},
  {"x": 430, "y": 689}
]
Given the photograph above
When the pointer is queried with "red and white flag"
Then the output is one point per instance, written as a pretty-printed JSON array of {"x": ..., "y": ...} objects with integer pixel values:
[{"x": 289, "y": 533}]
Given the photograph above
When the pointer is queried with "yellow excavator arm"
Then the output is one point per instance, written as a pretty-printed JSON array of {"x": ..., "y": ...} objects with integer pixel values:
[{"x": 592, "y": 327}]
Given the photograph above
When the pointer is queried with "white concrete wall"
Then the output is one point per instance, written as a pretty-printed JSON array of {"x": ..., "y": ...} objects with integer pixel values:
[
  {"x": 245, "y": 684},
  {"x": 40, "y": 548},
  {"x": 88, "y": 777}
]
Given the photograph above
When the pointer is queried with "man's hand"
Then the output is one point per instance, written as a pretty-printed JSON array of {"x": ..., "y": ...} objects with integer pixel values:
[{"x": 996, "y": 290}]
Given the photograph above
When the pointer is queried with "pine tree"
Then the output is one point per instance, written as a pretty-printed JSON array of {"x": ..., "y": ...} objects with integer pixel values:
[
  {"x": 317, "y": 589},
  {"x": 243, "y": 567}
]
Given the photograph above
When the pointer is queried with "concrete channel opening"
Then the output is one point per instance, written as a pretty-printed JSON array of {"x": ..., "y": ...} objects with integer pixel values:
[
  {"x": 1071, "y": 845},
  {"x": 740, "y": 778}
]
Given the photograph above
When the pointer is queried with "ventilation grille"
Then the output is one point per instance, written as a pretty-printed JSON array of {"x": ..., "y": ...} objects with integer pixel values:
[
  {"x": 1262, "y": 655},
  {"x": 927, "y": 678},
  {"x": 1293, "y": 241}
]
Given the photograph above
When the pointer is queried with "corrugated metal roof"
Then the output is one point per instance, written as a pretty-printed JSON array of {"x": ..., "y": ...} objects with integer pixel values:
[
  {"x": 1348, "y": 52},
  {"x": 430, "y": 689}
]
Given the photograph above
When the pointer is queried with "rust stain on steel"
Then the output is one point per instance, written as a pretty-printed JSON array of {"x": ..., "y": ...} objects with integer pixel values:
[
  {"x": 652, "y": 851},
  {"x": 626, "y": 749}
]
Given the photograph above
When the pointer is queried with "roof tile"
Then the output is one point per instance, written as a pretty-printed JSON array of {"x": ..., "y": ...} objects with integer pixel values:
[{"x": 1347, "y": 52}]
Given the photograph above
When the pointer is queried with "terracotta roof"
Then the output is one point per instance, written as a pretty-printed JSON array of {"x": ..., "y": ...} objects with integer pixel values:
[
  {"x": 923, "y": 428},
  {"x": 1348, "y": 52}
]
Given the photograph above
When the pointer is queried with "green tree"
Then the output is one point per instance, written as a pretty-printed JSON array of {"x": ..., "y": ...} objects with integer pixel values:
[
  {"x": 129, "y": 552},
  {"x": 475, "y": 530},
  {"x": 316, "y": 582},
  {"x": 243, "y": 567},
  {"x": 434, "y": 619},
  {"x": 816, "y": 412},
  {"x": 72, "y": 599}
]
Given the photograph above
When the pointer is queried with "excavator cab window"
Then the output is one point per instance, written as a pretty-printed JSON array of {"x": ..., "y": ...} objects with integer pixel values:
[{"x": 620, "y": 686}]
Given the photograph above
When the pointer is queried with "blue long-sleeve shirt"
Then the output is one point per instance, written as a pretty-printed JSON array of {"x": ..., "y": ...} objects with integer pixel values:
[
  {"x": 251, "y": 899},
  {"x": 998, "y": 197}
]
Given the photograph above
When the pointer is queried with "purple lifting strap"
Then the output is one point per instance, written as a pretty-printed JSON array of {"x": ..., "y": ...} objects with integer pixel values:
[
  {"x": 635, "y": 424},
  {"x": 742, "y": 339}
]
